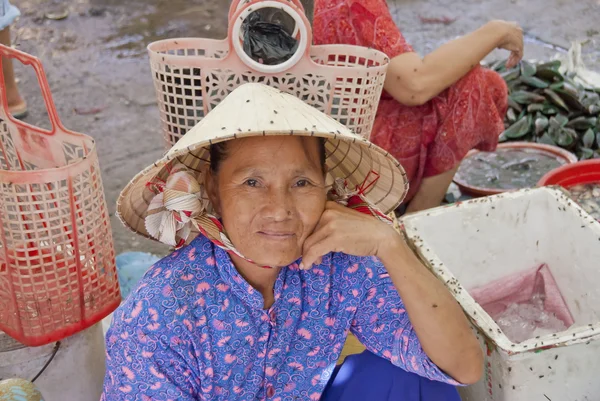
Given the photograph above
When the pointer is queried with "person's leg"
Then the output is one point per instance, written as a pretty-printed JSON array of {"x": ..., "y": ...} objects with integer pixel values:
[
  {"x": 473, "y": 112},
  {"x": 368, "y": 377},
  {"x": 431, "y": 192},
  {"x": 351, "y": 347},
  {"x": 16, "y": 104}
]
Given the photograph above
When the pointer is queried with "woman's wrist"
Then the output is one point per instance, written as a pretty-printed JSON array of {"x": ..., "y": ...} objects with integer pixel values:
[
  {"x": 393, "y": 247},
  {"x": 499, "y": 30}
]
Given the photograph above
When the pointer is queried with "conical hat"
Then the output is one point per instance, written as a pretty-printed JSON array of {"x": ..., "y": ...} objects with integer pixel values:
[{"x": 257, "y": 110}]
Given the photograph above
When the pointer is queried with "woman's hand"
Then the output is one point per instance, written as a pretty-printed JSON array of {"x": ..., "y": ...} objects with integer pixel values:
[
  {"x": 511, "y": 40},
  {"x": 347, "y": 231}
]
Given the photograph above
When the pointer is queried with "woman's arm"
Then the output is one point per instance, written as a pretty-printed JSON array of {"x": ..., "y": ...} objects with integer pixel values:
[
  {"x": 139, "y": 364},
  {"x": 413, "y": 80},
  {"x": 436, "y": 317}
]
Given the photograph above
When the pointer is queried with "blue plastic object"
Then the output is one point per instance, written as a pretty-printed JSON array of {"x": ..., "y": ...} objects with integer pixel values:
[{"x": 131, "y": 267}]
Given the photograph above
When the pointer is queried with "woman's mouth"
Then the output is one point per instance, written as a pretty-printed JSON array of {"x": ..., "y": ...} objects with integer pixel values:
[{"x": 277, "y": 235}]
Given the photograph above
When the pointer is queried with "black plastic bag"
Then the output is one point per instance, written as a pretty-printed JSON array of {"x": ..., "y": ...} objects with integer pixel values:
[{"x": 267, "y": 42}]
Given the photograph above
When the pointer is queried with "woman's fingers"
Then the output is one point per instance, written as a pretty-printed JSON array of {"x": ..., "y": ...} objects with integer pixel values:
[
  {"x": 326, "y": 227},
  {"x": 513, "y": 42},
  {"x": 513, "y": 60},
  {"x": 310, "y": 253},
  {"x": 516, "y": 54},
  {"x": 344, "y": 230},
  {"x": 510, "y": 63},
  {"x": 315, "y": 252},
  {"x": 318, "y": 234}
]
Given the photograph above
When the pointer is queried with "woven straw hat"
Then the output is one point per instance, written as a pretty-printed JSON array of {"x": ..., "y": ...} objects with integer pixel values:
[{"x": 251, "y": 110}]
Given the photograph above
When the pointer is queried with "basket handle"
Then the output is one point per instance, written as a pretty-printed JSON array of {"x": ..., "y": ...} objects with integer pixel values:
[
  {"x": 237, "y": 4},
  {"x": 27, "y": 59},
  {"x": 302, "y": 26}
]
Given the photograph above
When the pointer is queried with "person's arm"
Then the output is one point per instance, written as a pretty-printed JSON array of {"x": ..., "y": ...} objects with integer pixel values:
[
  {"x": 438, "y": 321},
  {"x": 413, "y": 80},
  {"x": 436, "y": 317},
  {"x": 382, "y": 324},
  {"x": 147, "y": 358}
]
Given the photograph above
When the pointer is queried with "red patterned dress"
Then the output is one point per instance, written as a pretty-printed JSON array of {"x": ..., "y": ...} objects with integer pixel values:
[{"x": 433, "y": 138}]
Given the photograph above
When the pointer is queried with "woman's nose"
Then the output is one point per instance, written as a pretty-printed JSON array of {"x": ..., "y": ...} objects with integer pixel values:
[{"x": 278, "y": 205}]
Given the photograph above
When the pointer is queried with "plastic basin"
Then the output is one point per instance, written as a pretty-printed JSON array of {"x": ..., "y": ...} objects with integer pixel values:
[
  {"x": 584, "y": 172},
  {"x": 466, "y": 188}
]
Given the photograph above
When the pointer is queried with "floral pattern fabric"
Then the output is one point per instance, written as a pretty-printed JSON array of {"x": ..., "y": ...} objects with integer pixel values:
[
  {"x": 194, "y": 329},
  {"x": 433, "y": 138}
]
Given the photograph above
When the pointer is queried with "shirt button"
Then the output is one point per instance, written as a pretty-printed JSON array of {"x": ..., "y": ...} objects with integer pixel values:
[{"x": 270, "y": 391}]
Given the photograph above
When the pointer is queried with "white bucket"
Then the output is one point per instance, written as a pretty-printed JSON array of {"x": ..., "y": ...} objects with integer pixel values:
[
  {"x": 479, "y": 241},
  {"x": 75, "y": 374}
]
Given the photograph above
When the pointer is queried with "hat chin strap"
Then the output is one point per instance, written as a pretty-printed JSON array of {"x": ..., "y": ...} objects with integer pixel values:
[{"x": 180, "y": 204}]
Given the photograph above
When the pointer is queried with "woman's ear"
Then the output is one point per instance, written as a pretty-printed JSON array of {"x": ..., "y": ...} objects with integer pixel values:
[{"x": 211, "y": 185}]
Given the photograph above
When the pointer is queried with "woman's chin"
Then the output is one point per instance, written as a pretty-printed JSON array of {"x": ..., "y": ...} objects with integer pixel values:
[
  {"x": 276, "y": 261},
  {"x": 271, "y": 253}
]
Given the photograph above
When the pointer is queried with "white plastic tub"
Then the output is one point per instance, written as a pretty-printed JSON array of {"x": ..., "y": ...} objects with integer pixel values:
[{"x": 482, "y": 240}]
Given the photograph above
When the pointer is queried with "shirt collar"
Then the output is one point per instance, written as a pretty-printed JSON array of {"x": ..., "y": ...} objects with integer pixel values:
[{"x": 240, "y": 287}]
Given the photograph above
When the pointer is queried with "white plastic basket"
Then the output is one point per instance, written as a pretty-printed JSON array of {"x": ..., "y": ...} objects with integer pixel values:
[
  {"x": 479, "y": 241},
  {"x": 193, "y": 75}
]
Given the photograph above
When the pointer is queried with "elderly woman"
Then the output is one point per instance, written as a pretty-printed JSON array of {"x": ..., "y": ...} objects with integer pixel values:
[
  {"x": 434, "y": 109},
  {"x": 259, "y": 305}
]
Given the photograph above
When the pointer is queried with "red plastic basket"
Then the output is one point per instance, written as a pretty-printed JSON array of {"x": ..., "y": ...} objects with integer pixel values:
[
  {"x": 584, "y": 172},
  {"x": 57, "y": 260}
]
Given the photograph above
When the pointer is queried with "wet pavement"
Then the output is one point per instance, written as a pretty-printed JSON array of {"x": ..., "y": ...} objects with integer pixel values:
[
  {"x": 98, "y": 71},
  {"x": 550, "y": 26}
]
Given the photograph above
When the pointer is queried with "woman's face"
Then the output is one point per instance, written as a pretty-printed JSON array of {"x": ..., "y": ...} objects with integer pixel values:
[{"x": 270, "y": 193}]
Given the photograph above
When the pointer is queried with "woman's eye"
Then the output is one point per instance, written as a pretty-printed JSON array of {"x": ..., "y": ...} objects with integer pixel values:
[
  {"x": 251, "y": 183},
  {"x": 302, "y": 183}
]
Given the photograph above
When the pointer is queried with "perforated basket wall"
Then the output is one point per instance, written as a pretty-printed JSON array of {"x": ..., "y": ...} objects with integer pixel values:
[
  {"x": 192, "y": 76},
  {"x": 57, "y": 261}
]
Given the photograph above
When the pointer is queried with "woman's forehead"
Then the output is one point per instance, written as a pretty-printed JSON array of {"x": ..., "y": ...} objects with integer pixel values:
[{"x": 281, "y": 150}]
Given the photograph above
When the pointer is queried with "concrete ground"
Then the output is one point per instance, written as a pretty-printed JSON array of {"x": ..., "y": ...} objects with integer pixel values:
[{"x": 98, "y": 70}]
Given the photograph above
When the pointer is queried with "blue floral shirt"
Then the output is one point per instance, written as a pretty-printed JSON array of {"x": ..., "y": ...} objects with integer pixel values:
[{"x": 196, "y": 330}]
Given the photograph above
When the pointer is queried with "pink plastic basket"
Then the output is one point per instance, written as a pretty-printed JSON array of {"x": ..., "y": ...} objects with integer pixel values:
[
  {"x": 193, "y": 75},
  {"x": 57, "y": 261}
]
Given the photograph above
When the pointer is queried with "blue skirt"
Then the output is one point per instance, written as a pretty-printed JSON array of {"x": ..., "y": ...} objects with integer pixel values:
[{"x": 367, "y": 377}]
